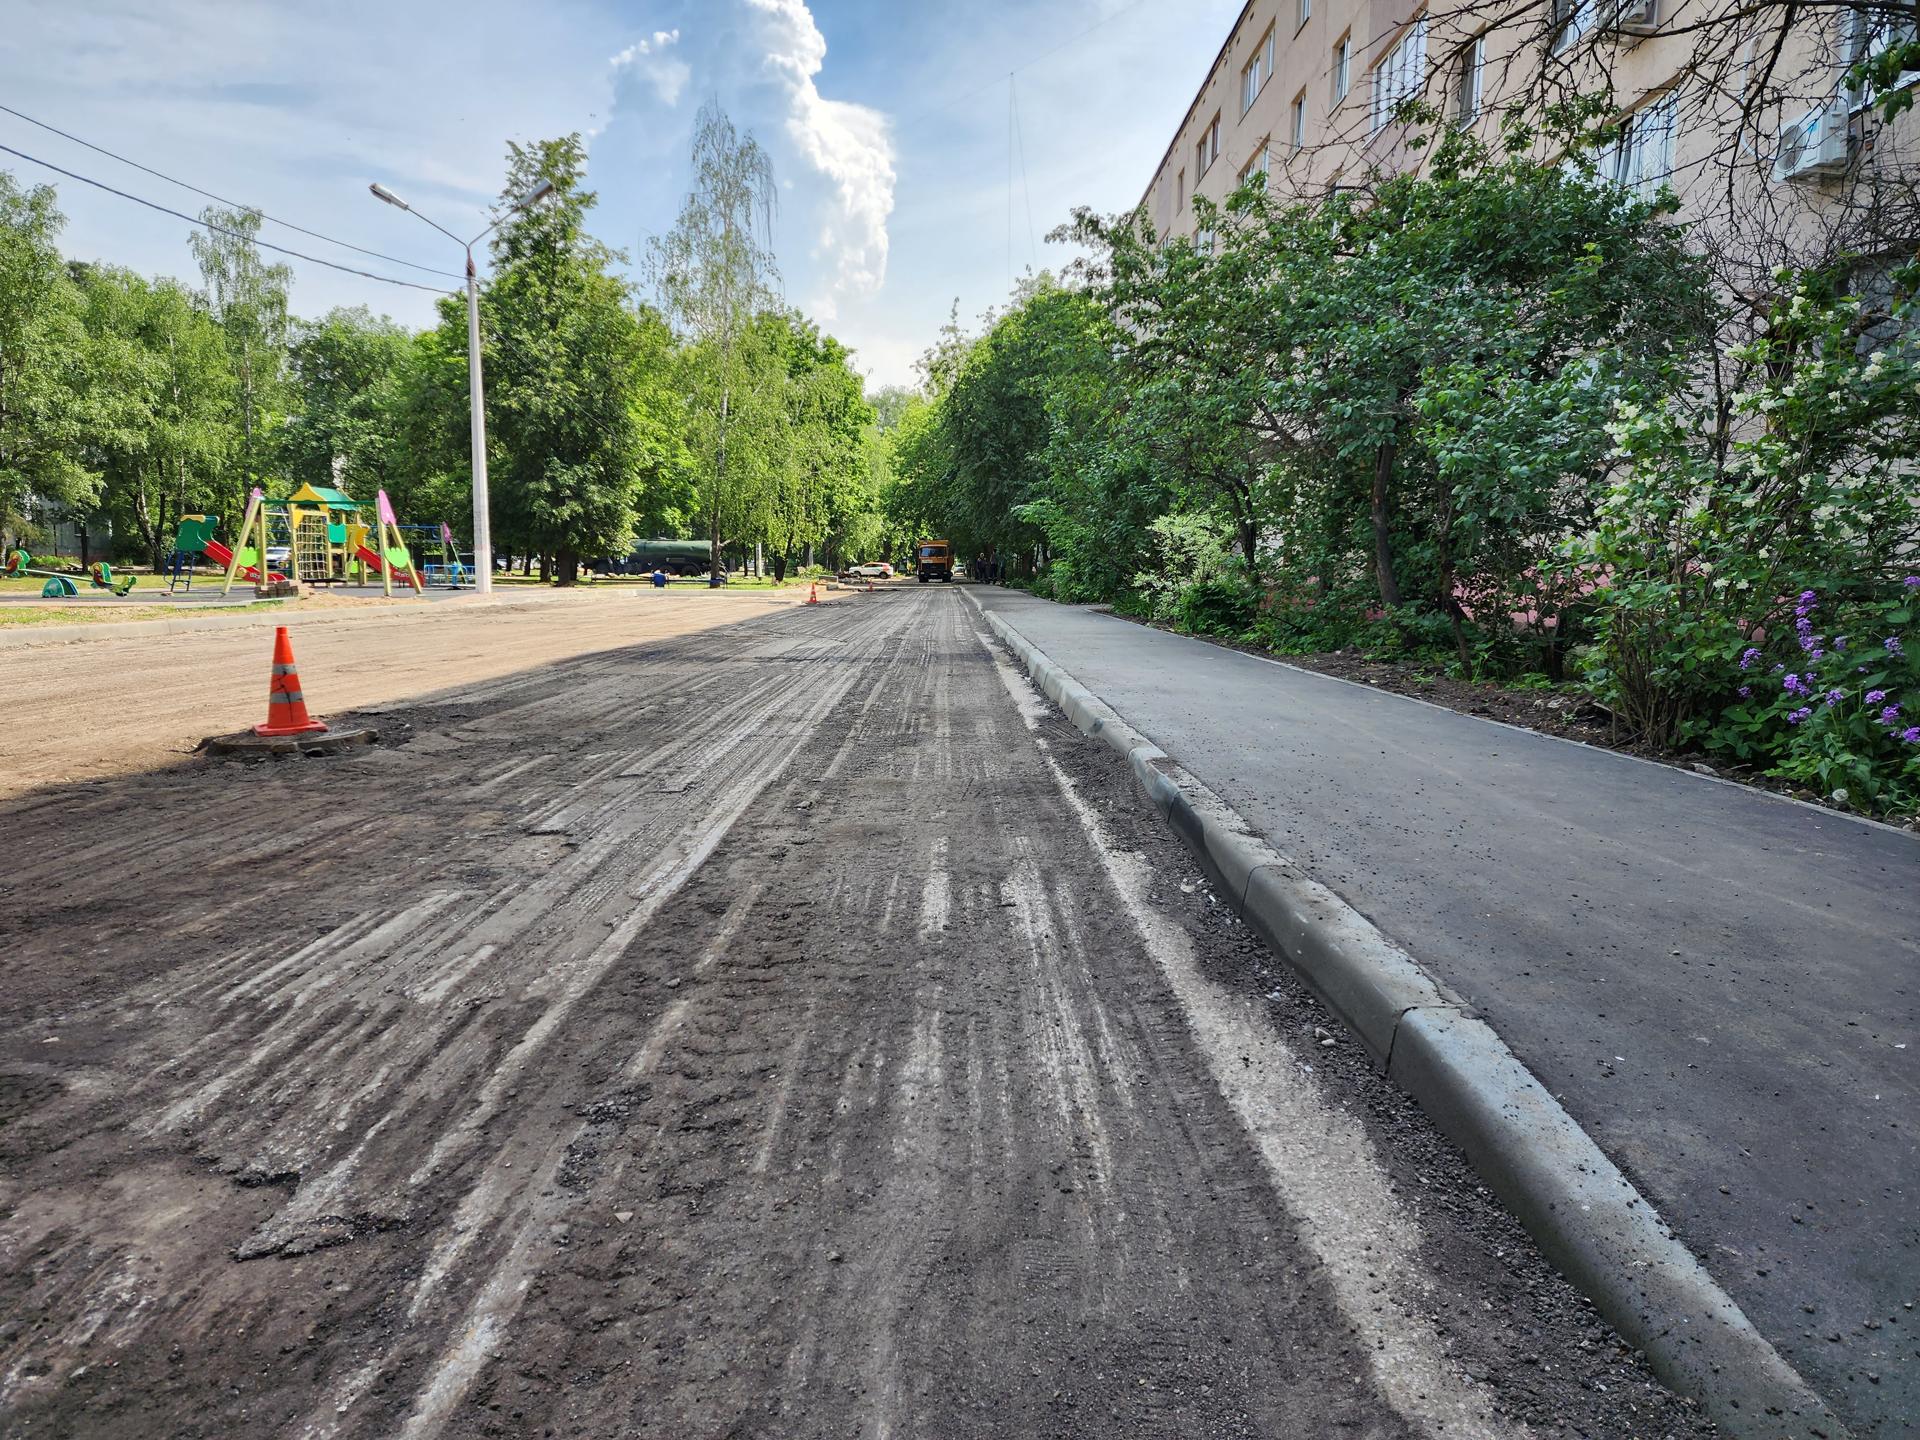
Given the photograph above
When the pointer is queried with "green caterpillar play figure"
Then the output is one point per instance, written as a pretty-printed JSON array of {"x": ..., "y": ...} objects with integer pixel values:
[{"x": 59, "y": 586}]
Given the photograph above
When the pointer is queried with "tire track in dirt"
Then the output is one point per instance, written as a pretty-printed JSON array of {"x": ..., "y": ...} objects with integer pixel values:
[{"x": 737, "y": 1034}]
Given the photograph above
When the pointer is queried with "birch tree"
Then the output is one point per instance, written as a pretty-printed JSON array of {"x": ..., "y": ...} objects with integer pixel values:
[
  {"x": 248, "y": 297},
  {"x": 715, "y": 271}
]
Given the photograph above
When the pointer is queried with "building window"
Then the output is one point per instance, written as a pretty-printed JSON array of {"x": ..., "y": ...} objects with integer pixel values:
[
  {"x": 1302, "y": 12},
  {"x": 1640, "y": 158},
  {"x": 1401, "y": 73},
  {"x": 1259, "y": 165},
  {"x": 1869, "y": 37},
  {"x": 1203, "y": 241},
  {"x": 1570, "y": 20},
  {"x": 1180, "y": 193},
  {"x": 1259, "y": 70},
  {"x": 1468, "y": 72},
  {"x": 1342, "y": 67},
  {"x": 1208, "y": 150},
  {"x": 1297, "y": 122}
]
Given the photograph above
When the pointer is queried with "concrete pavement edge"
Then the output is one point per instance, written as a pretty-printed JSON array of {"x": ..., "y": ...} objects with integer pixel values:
[{"x": 1583, "y": 1212}]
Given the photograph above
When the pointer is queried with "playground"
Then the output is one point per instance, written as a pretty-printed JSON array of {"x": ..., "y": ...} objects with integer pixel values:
[{"x": 318, "y": 540}]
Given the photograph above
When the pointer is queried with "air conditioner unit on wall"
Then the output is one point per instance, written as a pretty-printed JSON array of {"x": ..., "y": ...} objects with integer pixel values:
[
  {"x": 1814, "y": 145},
  {"x": 1637, "y": 17}
]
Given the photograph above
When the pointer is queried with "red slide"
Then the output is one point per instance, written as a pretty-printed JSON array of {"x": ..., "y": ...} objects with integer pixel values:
[
  {"x": 378, "y": 565},
  {"x": 223, "y": 557}
]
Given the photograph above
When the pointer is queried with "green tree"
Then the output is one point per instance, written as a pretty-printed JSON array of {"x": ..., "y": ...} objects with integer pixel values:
[
  {"x": 1398, "y": 399},
  {"x": 1018, "y": 446},
  {"x": 346, "y": 373},
  {"x": 817, "y": 484},
  {"x": 248, "y": 298},
  {"x": 431, "y": 474},
  {"x": 160, "y": 425},
  {"x": 715, "y": 273},
  {"x": 42, "y": 359},
  {"x": 564, "y": 365}
]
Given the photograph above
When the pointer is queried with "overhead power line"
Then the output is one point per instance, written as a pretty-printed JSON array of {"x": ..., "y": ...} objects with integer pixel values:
[
  {"x": 238, "y": 205},
  {"x": 1026, "y": 189},
  {"x": 222, "y": 229},
  {"x": 1028, "y": 63}
]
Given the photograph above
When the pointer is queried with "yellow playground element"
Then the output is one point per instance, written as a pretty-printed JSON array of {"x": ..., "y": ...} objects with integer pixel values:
[
  {"x": 328, "y": 540},
  {"x": 322, "y": 519}
]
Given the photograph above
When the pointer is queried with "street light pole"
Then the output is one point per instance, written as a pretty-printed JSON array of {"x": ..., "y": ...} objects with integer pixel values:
[
  {"x": 476, "y": 394},
  {"x": 476, "y": 387}
]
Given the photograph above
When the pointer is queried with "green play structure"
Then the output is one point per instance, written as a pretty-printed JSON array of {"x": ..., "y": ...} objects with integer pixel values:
[{"x": 59, "y": 586}]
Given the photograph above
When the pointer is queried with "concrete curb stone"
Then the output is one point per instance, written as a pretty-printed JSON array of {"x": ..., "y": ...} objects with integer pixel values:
[{"x": 1585, "y": 1214}]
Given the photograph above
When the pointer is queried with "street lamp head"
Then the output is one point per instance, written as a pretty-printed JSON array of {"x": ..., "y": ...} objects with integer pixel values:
[
  {"x": 535, "y": 195},
  {"x": 382, "y": 193}
]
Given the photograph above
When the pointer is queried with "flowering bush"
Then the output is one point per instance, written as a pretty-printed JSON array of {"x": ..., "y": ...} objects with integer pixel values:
[
  {"x": 1761, "y": 563},
  {"x": 1838, "y": 707},
  {"x": 1186, "y": 549}
]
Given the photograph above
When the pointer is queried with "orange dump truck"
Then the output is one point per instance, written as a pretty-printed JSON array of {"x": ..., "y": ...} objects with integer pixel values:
[{"x": 934, "y": 561}]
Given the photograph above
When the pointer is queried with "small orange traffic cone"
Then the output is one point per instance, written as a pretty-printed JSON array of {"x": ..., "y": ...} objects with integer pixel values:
[
  {"x": 813, "y": 593},
  {"x": 286, "y": 706},
  {"x": 870, "y": 585}
]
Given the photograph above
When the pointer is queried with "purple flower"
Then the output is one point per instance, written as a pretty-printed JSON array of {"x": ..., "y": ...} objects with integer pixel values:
[
  {"x": 1816, "y": 654},
  {"x": 1778, "y": 668},
  {"x": 1746, "y": 692},
  {"x": 1911, "y": 581},
  {"x": 1890, "y": 714},
  {"x": 1839, "y": 642},
  {"x": 1874, "y": 697},
  {"x": 1911, "y": 735},
  {"x": 1748, "y": 656},
  {"x": 1798, "y": 715},
  {"x": 1834, "y": 697},
  {"x": 1893, "y": 646},
  {"x": 1807, "y": 597},
  {"x": 1792, "y": 685}
]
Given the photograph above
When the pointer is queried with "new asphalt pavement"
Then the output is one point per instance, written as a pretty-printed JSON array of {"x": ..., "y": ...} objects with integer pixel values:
[{"x": 1721, "y": 985}]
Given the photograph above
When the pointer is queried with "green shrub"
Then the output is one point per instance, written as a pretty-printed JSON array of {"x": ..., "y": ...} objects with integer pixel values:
[{"x": 1226, "y": 605}]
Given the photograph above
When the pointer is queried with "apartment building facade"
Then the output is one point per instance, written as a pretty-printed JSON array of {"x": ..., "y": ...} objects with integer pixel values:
[{"x": 1305, "y": 92}]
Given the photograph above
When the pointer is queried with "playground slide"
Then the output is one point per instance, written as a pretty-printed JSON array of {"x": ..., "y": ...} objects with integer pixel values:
[
  {"x": 223, "y": 557},
  {"x": 378, "y": 565}
]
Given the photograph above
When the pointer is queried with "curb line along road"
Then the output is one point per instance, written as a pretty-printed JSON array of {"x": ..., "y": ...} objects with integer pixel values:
[{"x": 1587, "y": 1217}]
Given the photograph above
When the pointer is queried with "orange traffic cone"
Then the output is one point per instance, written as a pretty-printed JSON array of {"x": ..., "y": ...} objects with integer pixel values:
[
  {"x": 286, "y": 706},
  {"x": 813, "y": 593},
  {"x": 870, "y": 585}
]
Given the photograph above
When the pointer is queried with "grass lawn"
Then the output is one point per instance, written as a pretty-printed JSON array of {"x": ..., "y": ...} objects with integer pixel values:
[{"x": 30, "y": 584}]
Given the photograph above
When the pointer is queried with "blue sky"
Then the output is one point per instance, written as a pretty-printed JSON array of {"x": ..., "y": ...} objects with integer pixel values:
[{"x": 887, "y": 121}]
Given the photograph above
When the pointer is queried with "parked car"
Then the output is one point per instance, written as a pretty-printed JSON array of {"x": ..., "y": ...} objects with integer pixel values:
[
  {"x": 872, "y": 570},
  {"x": 278, "y": 557}
]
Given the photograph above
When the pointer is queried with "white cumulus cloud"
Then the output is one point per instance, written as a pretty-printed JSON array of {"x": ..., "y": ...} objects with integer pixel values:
[
  {"x": 648, "y": 58},
  {"x": 847, "y": 143}
]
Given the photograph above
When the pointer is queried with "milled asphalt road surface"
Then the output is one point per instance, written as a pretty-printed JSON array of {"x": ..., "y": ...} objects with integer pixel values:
[
  {"x": 1722, "y": 986},
  {"x": 788, "y": 1029}
]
